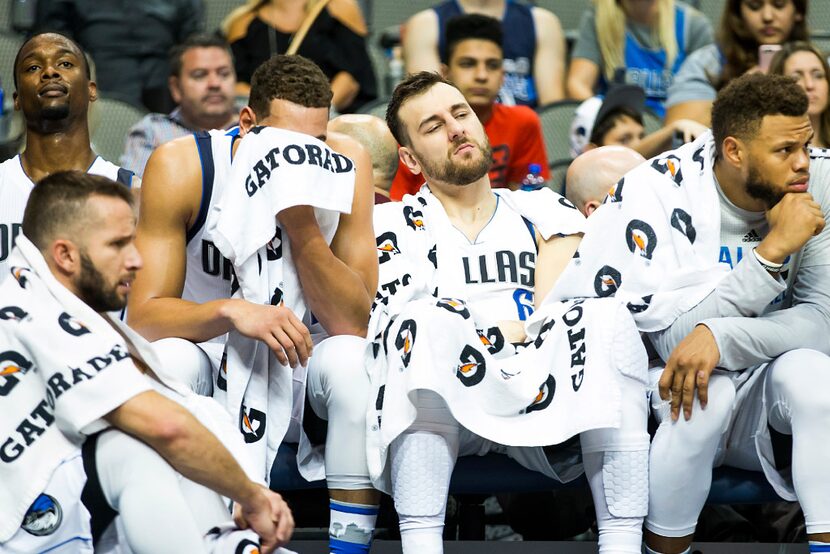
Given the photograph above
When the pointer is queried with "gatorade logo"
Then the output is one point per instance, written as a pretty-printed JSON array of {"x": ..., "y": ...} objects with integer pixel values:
[
  {"x": 72, "y": 325},
  {"x": 640, "y": 238},
  {"x": 615, "y": 194},
  {"x": 455, "y": 306},
  {"x": 545, "y": 396},
  {"x": 387, "y": 246},
  {"x": 682, "y": 221},
  {"x": 607, "y": 281},
  {"x": 414, "y": 218},
  {"x": 13, "y": 313},
  {"x": 670, "y": 165},
  {"x": 492, "y": 339},
  {"x": 252, "y": 424},
  {"x": 472, "y": 368},
  {"x": 406, "y": 340}
]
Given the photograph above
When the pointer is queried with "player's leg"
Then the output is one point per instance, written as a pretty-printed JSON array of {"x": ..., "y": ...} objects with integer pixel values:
[
  {"x": 616, "y": 466},
  {"x": 680, "y": 466},
  {"x": 797, "y": 394},
  {"x": 338, "y": 391},
  {"x": 126, "y": 477},
  {"x": 422, "y": 460},
  {"x": 188, "y": 363}
]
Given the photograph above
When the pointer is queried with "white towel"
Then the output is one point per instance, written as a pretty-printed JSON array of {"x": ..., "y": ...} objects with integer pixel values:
[
  {"x": 426, "y": 337},
  {"x": 63, "y": 363},
  {"x": 273, "y": 169},
  {"x": 651, "y": 243}
]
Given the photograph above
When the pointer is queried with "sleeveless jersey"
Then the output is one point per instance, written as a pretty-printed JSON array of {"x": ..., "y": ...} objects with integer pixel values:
[
  {"x": 647, "y": 68},
  {"x": 15, "y": 187},
  {"x": 208, "y": 273},
  {"x": 519, "y": 49},
  {"x": 499, "y": 266}
]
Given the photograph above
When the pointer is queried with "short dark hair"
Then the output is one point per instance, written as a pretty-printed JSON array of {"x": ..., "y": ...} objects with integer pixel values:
[
  {"x": 413, "y": 85},
  {"x": 741, "y": 105},
  {"x": 292, "y": 78},
  {"x": 77, "y": 46},
  {"x": 472, "y": 26},
  {"x": 601, "y": 128},
  {"x": 197, "y": 40},
  {"x": 58, "y": 203}
]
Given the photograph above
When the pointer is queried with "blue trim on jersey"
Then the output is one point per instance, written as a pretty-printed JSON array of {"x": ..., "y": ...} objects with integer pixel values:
[
  {"x": 820, "y": 548},
  {"x": 125, "y": 177},
  {"x": 336, "y": 546},
  {"x": 532, "y": 232},
  {"x": 73, "y": 539},
  {"x": 203, "y": 145},
  {"x": 351, "y": 509}
]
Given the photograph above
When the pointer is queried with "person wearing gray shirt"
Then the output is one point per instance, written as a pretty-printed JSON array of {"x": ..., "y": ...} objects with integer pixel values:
[{"x": 766, "y": 327}]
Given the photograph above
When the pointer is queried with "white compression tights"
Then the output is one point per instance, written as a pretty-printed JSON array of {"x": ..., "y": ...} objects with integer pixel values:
[
  {"x": 422, "y": 460},
  {"x": 338, "y": 390},
  {"x": 160, "y": 511},
  {"x": 797, "y": 402}
]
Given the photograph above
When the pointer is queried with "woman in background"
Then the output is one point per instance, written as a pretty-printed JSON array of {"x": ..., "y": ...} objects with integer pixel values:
[
  {"x": 336, "y": 42},
  {"x": 745, "y": 25},
  {"x": 807, "y": 65},
  {"x": 638, "y": 42}
]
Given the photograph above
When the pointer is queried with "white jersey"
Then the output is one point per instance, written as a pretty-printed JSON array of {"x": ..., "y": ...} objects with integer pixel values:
[
  {"x": 208, "y": 273},
  {"x": 15, "y": 187},
  {"x": 499, "y": 266}
]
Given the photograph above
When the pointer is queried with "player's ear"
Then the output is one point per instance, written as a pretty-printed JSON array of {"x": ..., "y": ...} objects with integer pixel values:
[
  {"x": 247, "y": 120},
  {"x": 65, "y": 256},
  {"x": 405, "y": 154},
  {"x": 732, "y": 149},
  {"x": 93, "y": 91}
]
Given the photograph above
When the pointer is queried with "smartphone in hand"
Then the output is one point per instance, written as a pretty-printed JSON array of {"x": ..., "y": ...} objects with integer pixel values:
[{"x": 765, "y": 54}]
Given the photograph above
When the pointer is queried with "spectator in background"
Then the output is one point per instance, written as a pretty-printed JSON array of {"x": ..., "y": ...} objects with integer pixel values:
[
  {"x": 374, "y": 135},
  {"x": 808, "y": 66},
  {"x": 202, "y": 82},
  {"x": 618, "y": 120},
  {"x": 129, "y": 42},
  {"x": 640, "y": 42},
  {"x": 474, "y": 65},
  {"x": 592, "y": 174},
  {"x": 534, "y": 47},
  {"x": 744, "y": 26},
  {"x": 336, "y": 42}
]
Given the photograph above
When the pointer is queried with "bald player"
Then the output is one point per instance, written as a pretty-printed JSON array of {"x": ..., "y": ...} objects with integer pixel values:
[
  {"x": 593, "y": 173},
  {"x": 374, "y": 135}
]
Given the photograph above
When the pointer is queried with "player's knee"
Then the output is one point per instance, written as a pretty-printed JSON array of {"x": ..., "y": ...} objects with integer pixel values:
[
  {"x": 706, "y": 424},
  {"x": 338, "y": 368},
  {"x": 185, "y": 361},
  {"x": 802, "y": 378}
]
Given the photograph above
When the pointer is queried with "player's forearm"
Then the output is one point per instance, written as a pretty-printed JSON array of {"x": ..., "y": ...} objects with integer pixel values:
[
  {"x": 335, "y": 293},
  {"x": 197, "y": 454},
  {"x": 655, "y": 143},
  {"x": 158, "y": 318},
  {"x": 744, "y": 292}
]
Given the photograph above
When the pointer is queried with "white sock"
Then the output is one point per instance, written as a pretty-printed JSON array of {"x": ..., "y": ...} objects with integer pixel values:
[{"x": 650, "y": 551}]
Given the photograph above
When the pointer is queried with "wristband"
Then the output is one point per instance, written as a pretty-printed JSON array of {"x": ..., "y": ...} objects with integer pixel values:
[{"x": 772, "y": 267}]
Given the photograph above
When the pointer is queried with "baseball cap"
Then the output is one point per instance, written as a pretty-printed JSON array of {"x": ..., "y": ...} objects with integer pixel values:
[{"x": 595, "y": 109}]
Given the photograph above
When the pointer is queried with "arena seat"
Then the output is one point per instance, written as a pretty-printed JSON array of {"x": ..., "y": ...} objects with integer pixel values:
[
  {"x": 376, "y": 108},
  {"x": 556, "y": 127},
  {"x": 818, "y": 18},
  {"x": 217, "y": 10},
  {"x": 713, "y": 10},
  {"x": 386, "y": 13},
  {"x": 558, "y": 170},
  {"x": 651, "y": 122},
  {"x": 110, "y": 122},
  {"x": 10, "y": 43}
]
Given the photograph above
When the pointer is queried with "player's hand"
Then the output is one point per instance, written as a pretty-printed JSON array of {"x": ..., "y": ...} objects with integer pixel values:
[
  {"x": 277, "y": 327},
  {"x": 689, "y": 129},
  {"x": 793, "y": 221},
  {"x": 269, "y": 517},
  {"x": 688, "y": 368},
  {"x": 513, "y": 331}
]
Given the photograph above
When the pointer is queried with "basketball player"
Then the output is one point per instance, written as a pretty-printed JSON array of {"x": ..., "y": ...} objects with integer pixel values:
[
  {"x": 184, "y": 290},
  {"x": 753, "y": 231},
  {"x": 442, "y": 139},
  {"x": 78, "y": 414},
  {"x": 592, "y": 174},
  {"x": 53, "y": 90}
]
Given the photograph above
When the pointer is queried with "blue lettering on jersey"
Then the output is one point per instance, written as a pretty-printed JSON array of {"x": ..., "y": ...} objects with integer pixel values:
[
  {"x": 524, "y": 303},
  {"x": 726, "y": 256}
]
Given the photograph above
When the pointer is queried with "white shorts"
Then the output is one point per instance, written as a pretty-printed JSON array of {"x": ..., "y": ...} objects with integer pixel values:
[{"x": 57, "y": 522}]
